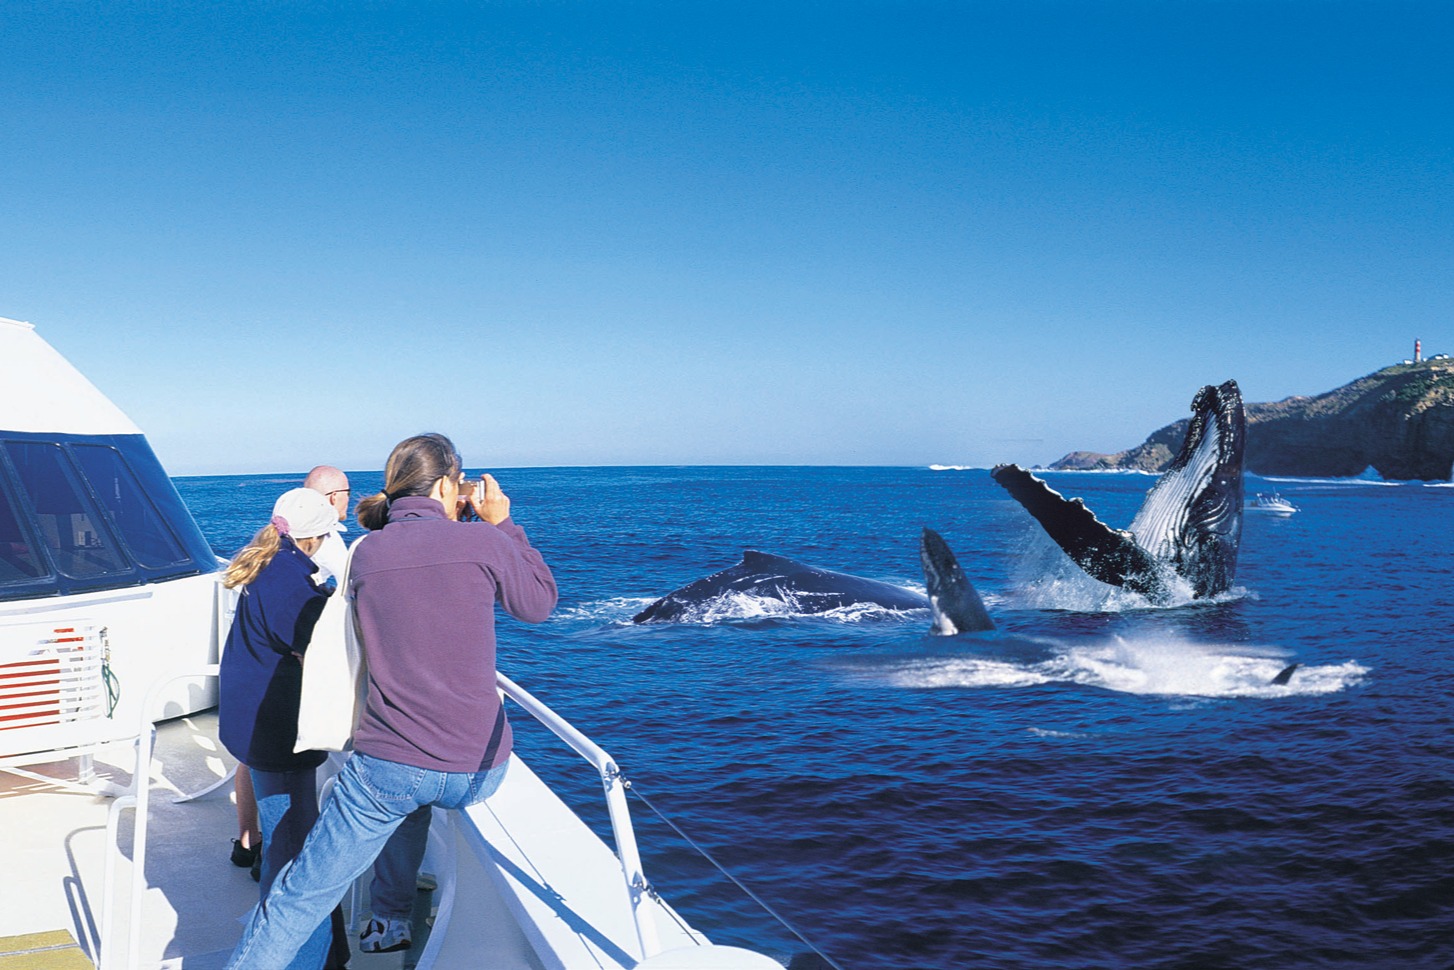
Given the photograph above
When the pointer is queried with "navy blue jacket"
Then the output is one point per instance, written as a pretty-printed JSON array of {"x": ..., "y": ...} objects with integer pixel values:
[{"x": 261, "y": 680}]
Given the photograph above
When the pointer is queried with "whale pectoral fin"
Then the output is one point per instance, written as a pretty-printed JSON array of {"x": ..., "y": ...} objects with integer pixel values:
[
  {"x": 1110, "y": 555},
  {"x": 953, "y": 599},
  {"x": 1285, "y": 675},
  {"x": 661, "y": 609}
]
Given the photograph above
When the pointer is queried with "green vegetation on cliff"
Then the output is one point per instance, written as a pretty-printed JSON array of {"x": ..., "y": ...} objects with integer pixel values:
[{"x": 1399, "y": 421}]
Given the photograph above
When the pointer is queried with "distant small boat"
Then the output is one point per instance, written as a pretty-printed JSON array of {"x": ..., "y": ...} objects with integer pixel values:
[{"x": 1271, "y": 504}]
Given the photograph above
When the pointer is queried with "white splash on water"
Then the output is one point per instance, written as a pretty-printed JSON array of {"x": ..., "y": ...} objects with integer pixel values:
[
  {"x": 964, "y": 672},
  {"x": 1171, "y": 667},
  {"x": 1062, "y": 585},
  {"x": 734, "y": 606},
  {"x": 618, "y": 609},
  {"x": 1047, "y": 733},
  {"x": 1047, "y": 579},
  {"x": 1164, "y": 667}
]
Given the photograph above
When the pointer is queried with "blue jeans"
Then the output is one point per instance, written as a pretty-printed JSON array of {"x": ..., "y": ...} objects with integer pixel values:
[
  {"x": 370, "y": 799},
  {"x": 287, "y": 807}
]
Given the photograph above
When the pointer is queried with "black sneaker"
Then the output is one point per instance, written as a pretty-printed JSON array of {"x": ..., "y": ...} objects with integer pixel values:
[{"x": 242, "y": 856}]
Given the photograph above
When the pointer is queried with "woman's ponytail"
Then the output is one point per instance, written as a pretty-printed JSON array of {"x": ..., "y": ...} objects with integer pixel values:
[
  {"x": 253, "y": 558},
  {"x": 414, "y": 466},
  {"x": 373, "y": 512}
]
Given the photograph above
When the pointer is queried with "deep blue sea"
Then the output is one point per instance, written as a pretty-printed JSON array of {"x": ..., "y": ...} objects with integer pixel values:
[{"x": 1094, "y": 784}]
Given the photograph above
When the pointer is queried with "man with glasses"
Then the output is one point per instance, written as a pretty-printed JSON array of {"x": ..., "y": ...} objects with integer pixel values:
[{"x": 334, "y": 486}]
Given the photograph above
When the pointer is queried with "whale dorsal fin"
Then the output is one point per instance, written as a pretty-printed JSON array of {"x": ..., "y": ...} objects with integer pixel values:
[{"x": 767, "y": 562}]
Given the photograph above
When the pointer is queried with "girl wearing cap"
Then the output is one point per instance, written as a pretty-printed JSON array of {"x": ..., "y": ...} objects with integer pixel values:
[{"x": 261, "y": 678}]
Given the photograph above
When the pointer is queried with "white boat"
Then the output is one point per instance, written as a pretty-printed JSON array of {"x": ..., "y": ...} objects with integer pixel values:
[
  {"x": 110, "y": 618},
  {"x": 1270, "y": 503}
]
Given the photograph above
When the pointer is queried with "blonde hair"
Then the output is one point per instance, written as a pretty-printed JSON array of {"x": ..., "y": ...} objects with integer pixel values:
[
  {"x": 253, "y": 558},
  {"x": 414, "y": 466}
]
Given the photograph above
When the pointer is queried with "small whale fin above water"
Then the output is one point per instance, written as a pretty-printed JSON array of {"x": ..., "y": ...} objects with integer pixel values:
[
  {"x": 953, "y": 599},
  {"x": 1285, "y": 674}
]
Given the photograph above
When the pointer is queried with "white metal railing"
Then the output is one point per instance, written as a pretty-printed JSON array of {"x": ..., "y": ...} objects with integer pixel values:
[{"x": 637, "y": 888}]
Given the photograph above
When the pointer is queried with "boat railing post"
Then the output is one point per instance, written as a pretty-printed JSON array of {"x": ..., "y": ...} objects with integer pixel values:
[
  {"x": 146, "y": 743},
  {"x": 627, "y": 853},
  {"x": 139, "y": 798},
  {"x": 101, "y": 947},
  {"x": 625, "y": 835}
]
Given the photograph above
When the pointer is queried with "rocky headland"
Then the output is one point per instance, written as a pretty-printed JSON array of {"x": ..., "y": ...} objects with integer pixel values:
[{"x": 1398, "y": 421}]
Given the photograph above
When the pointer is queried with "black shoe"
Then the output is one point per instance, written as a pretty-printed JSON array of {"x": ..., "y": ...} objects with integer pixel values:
[
  {"x": 242, "y": 856},
  {"x": 257, "y": 868}
]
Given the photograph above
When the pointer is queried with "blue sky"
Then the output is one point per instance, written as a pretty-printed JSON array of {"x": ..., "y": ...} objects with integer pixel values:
[{"x": 686, "y": 233}]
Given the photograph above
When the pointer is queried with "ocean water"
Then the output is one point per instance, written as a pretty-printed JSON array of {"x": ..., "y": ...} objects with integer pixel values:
[{"x": 1093, "y": 784}]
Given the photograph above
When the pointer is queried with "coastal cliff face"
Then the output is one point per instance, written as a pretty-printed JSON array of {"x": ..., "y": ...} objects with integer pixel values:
[{"x": 1399, "y": 420}]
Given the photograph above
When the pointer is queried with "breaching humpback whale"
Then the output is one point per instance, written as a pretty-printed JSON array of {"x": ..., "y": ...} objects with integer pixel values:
[
  {"x": 1189, "y": 526},
  {"x": 955, "y": 605}
]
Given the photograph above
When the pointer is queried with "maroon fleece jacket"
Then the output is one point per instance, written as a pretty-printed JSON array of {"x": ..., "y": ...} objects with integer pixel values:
[{"x": 424, "y": 590}]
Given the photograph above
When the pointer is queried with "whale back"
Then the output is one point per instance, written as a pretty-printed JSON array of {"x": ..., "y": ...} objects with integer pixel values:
[{"x": 804, "y": 588}]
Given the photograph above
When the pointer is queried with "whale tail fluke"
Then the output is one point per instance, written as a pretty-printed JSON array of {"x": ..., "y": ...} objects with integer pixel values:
[
  {"x": 953, "y": 599},
  {"x": 1285, "y": 675}
]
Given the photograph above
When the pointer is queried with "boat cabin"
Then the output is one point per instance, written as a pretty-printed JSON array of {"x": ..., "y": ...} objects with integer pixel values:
[{"x": 106, "y": 581}]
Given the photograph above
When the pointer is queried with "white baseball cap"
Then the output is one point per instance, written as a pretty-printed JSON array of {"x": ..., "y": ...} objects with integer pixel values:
[{"x": 304, "y": 514}]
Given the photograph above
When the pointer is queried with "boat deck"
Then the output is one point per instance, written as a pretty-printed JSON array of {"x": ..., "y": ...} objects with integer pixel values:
[
  {"x": 53, "y": 837},
  {"x": 522, "y": 882}
]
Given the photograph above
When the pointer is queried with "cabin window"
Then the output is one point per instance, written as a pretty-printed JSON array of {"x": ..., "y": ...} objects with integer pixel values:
[
  {"x": 128, "y": 508},
  {"x": 19, "y": 561},
  {"x": 70, "y": 527}
]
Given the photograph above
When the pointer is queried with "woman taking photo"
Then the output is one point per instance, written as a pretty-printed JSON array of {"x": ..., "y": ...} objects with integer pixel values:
[
  {"x": 433, "y": 732},
  {"x": 261, "y": 676}
]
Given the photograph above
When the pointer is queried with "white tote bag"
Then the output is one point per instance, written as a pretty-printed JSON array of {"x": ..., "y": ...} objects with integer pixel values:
[{"x": 335, "y": 677}]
